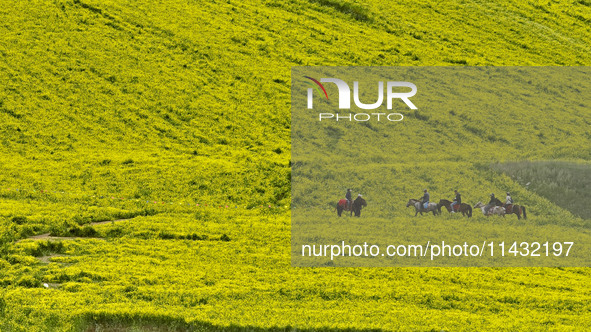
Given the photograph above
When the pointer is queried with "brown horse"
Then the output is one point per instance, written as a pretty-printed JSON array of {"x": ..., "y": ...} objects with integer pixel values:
[
  {"x": 343, "y": 205},
  {"x": 358, "y": 204},
  {"x": 515, "y": 209},
  {"x": 466, "y": 209},
  {"x": 512, "y": 209}
]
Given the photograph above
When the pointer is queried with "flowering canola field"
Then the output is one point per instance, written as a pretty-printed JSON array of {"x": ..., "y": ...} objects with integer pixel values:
[{"x": 188, "y": 102}]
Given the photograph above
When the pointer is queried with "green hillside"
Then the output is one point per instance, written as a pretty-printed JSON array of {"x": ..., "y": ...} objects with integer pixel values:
[
  {"x": 566, "y": 184},
  {"x": 140, "y": 111}
]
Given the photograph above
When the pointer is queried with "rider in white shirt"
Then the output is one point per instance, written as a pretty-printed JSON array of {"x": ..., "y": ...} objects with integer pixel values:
[{"x": 508, "y": 200}]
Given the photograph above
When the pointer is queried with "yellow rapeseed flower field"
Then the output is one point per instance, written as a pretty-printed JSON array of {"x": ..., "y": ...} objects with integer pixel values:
[{"x": 172, "y": 119}]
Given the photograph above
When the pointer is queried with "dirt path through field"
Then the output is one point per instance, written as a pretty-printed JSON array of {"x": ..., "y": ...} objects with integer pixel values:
[{"x": 47, "y": 236}]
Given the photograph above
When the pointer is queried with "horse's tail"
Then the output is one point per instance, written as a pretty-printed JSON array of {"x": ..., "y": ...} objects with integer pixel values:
[
  {"x": 469, "y": 210},
  {"x": 524, "y": 214}
]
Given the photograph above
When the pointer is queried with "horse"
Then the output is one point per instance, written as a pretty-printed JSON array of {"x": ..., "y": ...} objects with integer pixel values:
[
  {"x": 357, "y": 205},
  {"x": 342, "y": 205},
  {"x": 512, "y": 209},
  {"x": 515, "y": 209},
  {"x": 466, "y": 209},
  {"x": 420, "y": 208},
  {"x": 498, "y": 210}
]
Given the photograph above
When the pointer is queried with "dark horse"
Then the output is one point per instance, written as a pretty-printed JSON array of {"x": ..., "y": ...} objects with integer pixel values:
[
  {"x": 512, "y": 209},
  {"x": 355, "y": 207},
  {"x": 466, "y": 209},
  {"x": 343, "y": 206}
]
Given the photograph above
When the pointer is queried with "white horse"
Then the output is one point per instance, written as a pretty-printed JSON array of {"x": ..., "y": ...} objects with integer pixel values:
[
  {"x": 498, "y": 210},
  {"x": 420, "y": 208}
]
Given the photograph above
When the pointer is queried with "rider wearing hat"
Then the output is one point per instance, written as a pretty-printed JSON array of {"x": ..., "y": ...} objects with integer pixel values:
[
  {"x": 509, "y": 199},
  {"x": 457, "y": 201},
  {"x": 349, "y": 198},
  {"x": 425, "y": 199},
  {"x": 491, "y": 203},
  {"x": 508, "y": 203}
]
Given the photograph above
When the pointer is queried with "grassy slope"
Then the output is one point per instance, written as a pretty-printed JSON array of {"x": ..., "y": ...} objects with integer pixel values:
[
  {"x": 196, "y": 94},
  {"x": 566, "y": 184}
]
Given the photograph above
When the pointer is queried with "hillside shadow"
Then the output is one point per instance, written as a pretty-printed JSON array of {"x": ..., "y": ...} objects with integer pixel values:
[
  {"x": 566, "y": 184},
  {"x": 128, "y": 323}
]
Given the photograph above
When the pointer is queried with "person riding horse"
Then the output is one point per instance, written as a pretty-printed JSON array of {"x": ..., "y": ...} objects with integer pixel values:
[
  {"x": 349, "y": 198},
  {"x": 425, "y": 199},
  {"x": 509, "y": 199},
  {"x": 463, "y": 208},
  {"x": 491, "y": 203},
  {"x": 508, "y": 203},
  {"x": 512, "y": 208},
  {"x": 457, "y": 201}
]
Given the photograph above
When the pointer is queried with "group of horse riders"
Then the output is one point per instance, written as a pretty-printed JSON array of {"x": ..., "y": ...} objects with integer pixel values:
[
  {"x": 458, "y": 201},
  {"x": 424, "y": 205}
]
